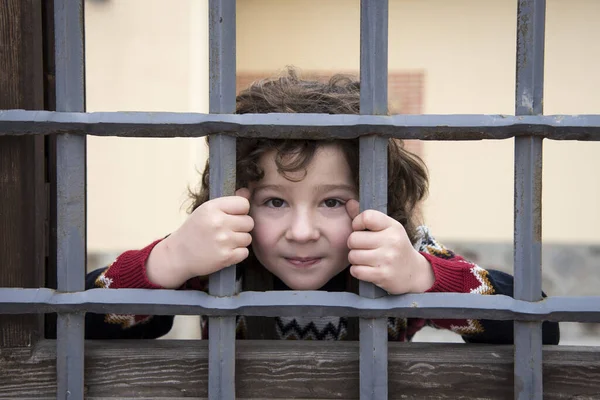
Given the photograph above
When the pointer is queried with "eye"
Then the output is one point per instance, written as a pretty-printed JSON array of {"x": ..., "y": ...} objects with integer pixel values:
[
  {"x": 332, "y": 203},
  {"x": 275, "y": 203}
]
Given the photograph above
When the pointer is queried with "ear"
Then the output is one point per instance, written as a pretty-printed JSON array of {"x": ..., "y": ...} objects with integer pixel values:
[
  {"x": 243, "y": 192},
  {"x": 353, "y": 208}
]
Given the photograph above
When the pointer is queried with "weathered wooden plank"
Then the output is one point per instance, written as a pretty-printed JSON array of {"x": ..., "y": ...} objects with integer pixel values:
[
  {"x": 310, "y": 370},
  {"x": 22, "y": 183},
  {"x": 152, "y": 398}
]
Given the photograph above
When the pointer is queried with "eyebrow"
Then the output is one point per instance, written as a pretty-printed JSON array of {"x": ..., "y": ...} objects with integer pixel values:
[{"x": 319, "y": 189}]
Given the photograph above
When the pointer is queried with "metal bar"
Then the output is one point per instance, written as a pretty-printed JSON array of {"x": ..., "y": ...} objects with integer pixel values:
[
  {"x": 528, "y": 215},
  {"x": 373, "y": 331},
  {"x": 373, "y": 185},
  {"x": 293, "y": 303},
  {"x": 221, "y": 333},
  {"x": 70, "y": 356},
  {"x": 528, "y": 197},
  {"x": 222, "y": 73},
  {"x": 316, "y": 126},
  {"x": 71, "y": 195}
]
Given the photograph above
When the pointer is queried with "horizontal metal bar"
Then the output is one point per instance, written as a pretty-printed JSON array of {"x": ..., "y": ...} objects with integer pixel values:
[
  {"x": 306, "y": 303},
  {"x": 316, "y": 126}
]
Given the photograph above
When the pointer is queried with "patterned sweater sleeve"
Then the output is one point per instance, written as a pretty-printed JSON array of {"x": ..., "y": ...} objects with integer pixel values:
[
  {"x": 454, "y": 274},
  {"x": 128, "y": 271}
]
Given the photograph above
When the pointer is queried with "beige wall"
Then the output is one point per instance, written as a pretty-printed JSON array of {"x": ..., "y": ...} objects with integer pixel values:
[
  {"x": 151, "y": 55},
  {"x": 143, "y": 55}
]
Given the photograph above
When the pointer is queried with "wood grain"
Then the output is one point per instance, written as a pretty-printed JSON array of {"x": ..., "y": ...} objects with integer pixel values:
[
  {"x": 290, "y": 369},
  {"x": 22, "y": 175}
]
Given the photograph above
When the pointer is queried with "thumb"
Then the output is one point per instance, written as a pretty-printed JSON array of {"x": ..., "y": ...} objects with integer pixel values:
[
  {"x": 243, "y": 192},
  {"x": 353, "y": 208}
]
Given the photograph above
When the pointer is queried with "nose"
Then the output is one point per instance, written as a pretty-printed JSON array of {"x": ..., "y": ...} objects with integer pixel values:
[{"x": 303, "y": 227}]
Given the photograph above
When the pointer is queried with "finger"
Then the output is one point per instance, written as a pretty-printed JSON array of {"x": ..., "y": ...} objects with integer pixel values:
[
  {"x": 353, "y": 208},
  {"x": 364, "y": 240},
  {"x": 363, "y": 257},
  {"x": 240, "y": 239},
  {"x": 233, "y": 205},
  {"x": 371, "y": 220},
  {"x": 243, "y": 192},
  {"x": 238, "y": 255},
  {"x": 240, "y": 223},
  {"x": 365, "y": 273}
]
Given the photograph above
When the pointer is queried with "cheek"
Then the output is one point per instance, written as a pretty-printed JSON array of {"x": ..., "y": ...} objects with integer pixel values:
[
  {"x": 261, "y": 238},
  {"x": 264, "y": 235},
  {"x": 339, "y": 233},
  {"x": 264, "y": 241}
]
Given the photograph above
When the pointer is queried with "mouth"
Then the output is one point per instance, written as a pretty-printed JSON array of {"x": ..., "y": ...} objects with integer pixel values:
[{"x": 303, "y": 262}]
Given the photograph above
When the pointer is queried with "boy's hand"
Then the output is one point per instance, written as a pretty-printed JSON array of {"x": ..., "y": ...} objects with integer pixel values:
[
  {"x": 381, "y": 253},
  {"x": 213, "y": 237}
]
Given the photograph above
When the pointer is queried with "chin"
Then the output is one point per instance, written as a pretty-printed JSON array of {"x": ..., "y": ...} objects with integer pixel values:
[{"x": 304, "y": 285}]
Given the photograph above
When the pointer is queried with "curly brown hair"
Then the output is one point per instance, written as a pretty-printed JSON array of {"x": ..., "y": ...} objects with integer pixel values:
[{"x": 407, "y": 174}]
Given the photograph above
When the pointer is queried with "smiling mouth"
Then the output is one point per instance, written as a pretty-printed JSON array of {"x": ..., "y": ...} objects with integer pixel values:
[{"x": 303, "y": 261}]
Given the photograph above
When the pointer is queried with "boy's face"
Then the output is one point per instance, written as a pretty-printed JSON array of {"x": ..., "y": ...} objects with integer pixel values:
[{"x": 301, "y": 226}]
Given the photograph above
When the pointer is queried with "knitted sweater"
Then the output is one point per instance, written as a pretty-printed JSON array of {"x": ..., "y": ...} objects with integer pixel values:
[{"x": 453, "y": 274}]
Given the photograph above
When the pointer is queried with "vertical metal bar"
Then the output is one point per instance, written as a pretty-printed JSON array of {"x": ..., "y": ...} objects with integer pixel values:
[
  {"x": 71, "y": 195},
  {"x": 528, "y": 197},
  {"x": 373, "y": 184},
  {"x": 222, "y": 70}
]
